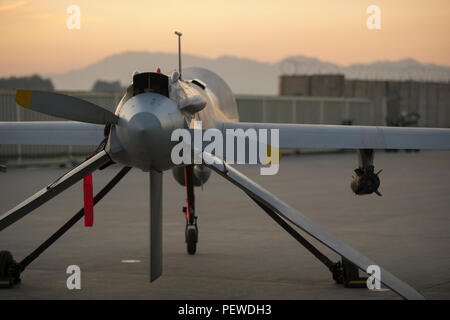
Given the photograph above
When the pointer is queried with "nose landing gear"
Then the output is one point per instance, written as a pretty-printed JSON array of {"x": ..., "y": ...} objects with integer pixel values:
[
  {"x": 191, "y": 238},
  {"x": 191, "y": 230}
]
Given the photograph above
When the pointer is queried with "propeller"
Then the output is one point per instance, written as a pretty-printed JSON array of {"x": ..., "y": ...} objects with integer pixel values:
[{"x": 64, "y": 106}]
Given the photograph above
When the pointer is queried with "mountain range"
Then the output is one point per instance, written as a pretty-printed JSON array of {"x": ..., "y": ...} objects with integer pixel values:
[{"x": 244, "y": 76}]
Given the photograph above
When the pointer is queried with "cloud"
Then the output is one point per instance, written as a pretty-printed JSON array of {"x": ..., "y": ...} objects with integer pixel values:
[{"x": 13, "y": 6}]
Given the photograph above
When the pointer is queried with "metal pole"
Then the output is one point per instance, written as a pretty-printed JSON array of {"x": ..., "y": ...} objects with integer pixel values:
[{"x": 179, "y": 34}]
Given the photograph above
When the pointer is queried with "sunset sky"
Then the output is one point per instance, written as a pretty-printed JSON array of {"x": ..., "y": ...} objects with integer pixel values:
[{"x": 35, "y": 39}]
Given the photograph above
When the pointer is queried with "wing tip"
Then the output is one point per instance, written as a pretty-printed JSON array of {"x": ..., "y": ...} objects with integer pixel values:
[{"x": 23, "y": 98}]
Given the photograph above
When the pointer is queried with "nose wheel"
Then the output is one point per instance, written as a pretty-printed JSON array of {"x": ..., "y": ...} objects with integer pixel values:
[
  {"x": 191, "y": 231},
  {"x": 191, "y": 239}
]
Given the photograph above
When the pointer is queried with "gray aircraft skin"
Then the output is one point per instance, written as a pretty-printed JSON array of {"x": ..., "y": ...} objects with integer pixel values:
[
  {"x": 138, "y": 135},
  {"x": 150, "y": 118}
]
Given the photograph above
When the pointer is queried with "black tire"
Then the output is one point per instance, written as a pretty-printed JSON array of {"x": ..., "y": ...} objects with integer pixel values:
[
  {"x": 191, "y": 241},
  {"x": 6, "y": 260}
]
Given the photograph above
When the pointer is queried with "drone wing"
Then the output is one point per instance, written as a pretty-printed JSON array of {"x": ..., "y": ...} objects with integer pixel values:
[
  {"x": 294, "y": 136},
  {"x": 51, "y": 133}
]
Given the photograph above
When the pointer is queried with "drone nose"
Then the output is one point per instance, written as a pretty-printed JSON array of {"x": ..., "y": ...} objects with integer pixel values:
[
  {"x": 142, "y": 125},
  {"x": 144, "y": 131}
]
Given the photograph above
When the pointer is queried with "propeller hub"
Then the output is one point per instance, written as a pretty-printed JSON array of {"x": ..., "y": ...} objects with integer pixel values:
[{"x": 142, "y": 136}]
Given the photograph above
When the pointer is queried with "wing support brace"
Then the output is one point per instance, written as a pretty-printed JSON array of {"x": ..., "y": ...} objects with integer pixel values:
[
  {"x": 343, "y": 272},
  {"x": 67, "y": 180},
  {"x": 297, "y": 236},
  {"x": 15, "y": 269},
  {"x": 290, "y": 214}
]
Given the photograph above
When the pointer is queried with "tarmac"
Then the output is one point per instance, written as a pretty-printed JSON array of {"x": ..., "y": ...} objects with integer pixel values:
[{"x": 242, "y": 253}]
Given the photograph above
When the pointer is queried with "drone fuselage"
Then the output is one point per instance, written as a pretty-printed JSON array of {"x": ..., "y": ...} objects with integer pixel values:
[{"x": 142, "y": 137}]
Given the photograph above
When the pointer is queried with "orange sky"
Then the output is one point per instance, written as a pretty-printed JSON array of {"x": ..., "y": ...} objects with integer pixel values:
[{"x": 34, "y": 37}]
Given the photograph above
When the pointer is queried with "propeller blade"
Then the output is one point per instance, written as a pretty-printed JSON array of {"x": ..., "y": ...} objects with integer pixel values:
[
  {"x": 63, "y": 106},
  {"x": 155, "y": 224},
  {"x": 53, "y": 189}
]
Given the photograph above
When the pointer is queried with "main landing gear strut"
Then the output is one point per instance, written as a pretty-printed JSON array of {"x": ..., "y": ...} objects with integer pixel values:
[
  {"x": 10, "y": 270},
  {"x": 191, "y": 230},
  {"x": 343, "y": 272}
]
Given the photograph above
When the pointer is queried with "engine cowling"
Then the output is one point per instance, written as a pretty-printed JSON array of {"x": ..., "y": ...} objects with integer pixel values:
[
  {"x": 201, "y": 175},
  {"x": 366, "y": 181}
]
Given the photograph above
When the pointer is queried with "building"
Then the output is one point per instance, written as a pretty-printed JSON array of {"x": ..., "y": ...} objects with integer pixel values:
[{"x": 431, "y": 100}]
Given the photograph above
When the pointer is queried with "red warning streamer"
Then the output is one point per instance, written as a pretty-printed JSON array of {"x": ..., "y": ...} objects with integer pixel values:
[{"x": 88, "y": 190}]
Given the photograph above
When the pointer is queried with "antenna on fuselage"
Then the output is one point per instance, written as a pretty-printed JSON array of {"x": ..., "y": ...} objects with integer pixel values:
[{"x": 179, "y": 34}]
